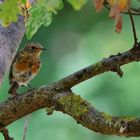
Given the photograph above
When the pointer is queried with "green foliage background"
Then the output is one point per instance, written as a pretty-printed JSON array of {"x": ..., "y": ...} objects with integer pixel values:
[{"x": 74, "y": 40}]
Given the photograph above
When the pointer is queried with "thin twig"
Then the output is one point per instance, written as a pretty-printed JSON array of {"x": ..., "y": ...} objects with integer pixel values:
[
  {"x": 6, "y": 134},
  {"x": 134, "y": 11},
  {"x": 26, "y": 124},
  {"x": 133, "y": 28},
  {"x": 137, "y": 10}
]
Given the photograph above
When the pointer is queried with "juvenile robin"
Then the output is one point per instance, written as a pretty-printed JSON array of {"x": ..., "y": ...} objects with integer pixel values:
[{"x": 25, "y": 66}]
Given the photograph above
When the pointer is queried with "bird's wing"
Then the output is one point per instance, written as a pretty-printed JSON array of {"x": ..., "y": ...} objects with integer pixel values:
[{"x": 11, "y": 67}]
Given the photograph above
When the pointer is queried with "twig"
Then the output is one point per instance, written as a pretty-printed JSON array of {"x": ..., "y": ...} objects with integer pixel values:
[
  {"x": 26, "y": 124},
  {"x": 5, "y": 133},
  {"x": 133, "y": 28},
  {"x": 134, "y": 11},
  {"x": 137, "y": 10}
]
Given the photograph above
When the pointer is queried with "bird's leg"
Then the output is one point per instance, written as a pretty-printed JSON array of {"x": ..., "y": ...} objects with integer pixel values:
[
  {"x": 30, "y": 86},
  {"x": 13, "y": 89}
]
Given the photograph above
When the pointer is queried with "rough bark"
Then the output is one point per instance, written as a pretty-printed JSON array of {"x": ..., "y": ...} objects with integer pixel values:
[
  {"x": 59, "y": 96},
  {"x": 9, "y": 41}
]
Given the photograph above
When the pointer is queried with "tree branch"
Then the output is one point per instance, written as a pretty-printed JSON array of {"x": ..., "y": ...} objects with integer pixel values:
[
  {"x": 59, "y": 96},
  {"x": 107, "y": 64},
  {"x": 10, "y": 38},
  {"x": 5, "y": 133},
  {"x": 133, "y": 28}
]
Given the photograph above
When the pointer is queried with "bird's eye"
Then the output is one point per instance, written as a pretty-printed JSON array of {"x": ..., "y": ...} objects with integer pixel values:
[{"x": 33, "y": 47}]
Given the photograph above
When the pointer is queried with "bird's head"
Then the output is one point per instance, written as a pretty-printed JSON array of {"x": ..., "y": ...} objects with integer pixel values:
[{"x": 34, "y": 48}]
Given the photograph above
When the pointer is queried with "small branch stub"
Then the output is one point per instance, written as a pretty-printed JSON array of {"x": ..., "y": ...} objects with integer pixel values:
[
  {"x": 6, "y": 134},
  {"x": 118, "y": 70}
]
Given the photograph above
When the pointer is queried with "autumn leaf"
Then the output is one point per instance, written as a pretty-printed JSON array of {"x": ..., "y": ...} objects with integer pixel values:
[
  {"x": 117, "y": 6},
  {"x": 118, "y": 26},
  {"x": 98, "y": 5},
  {"x": 115, "y": 14},
  {"x": 122, "y": 5},
  {"x": 28, "y": 4}
]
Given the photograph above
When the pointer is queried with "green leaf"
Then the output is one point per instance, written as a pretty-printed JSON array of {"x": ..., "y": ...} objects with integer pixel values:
[
  {"x": 41, "y": 14},
  {"x": 77, "y": 4},
  {"x": 8, "y": 11},
  {"x": 54, "y": 5},
  {"x": 24, "y": 1}
]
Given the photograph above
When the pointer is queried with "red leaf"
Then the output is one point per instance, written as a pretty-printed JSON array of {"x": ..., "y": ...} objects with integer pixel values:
[
  {"x": 118, "y": 23},
  {"x": 115, "y": 13},
  {"x": 98, "y": 5}
]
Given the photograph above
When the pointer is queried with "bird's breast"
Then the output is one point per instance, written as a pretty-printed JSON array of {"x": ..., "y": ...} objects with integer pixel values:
[{"x": 25, "y": 69}]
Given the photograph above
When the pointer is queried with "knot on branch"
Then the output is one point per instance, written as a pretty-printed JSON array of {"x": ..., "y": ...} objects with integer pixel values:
[
  {"x": 118, "y": 70},
  {"x": 50, "y": 110}
]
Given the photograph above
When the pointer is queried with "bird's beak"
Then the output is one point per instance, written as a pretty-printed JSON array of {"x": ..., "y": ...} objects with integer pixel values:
[{"x": 42, "y": 49}]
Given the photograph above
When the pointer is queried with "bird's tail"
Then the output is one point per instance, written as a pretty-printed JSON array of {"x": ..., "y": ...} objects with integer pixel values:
[{"x": 13, "y": 88}]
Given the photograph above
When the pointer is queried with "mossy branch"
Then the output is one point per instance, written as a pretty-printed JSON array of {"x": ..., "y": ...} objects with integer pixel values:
[
  {"x": 112, "y": 63},
  {"x": 59, "y": 96}
]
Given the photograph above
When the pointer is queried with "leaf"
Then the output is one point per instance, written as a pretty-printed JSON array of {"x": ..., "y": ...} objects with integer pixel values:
[
  {"x": 118, "y": 26},
  {"x": 41, "y": 14},
  {"x": 117, "y": 6},
  {"x": 38, "y": 16},
  {"x": 27, "y": 4},
  {"x": 24, "y": 1},
  {"x": 98, "y": 5},
  {"x": 77, "y": 4},
  {"x": 121, "y": 4},
  {"x": 54, "y": 5},
  {"x": 8, "y": 11}
]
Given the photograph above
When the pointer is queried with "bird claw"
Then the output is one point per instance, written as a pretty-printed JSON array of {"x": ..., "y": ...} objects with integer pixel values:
[{"x": 14, "y": 93}]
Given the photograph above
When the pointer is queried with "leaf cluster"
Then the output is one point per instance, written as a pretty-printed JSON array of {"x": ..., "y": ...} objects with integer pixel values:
[
  {"x": 38, "y": 14},
  {"x": 41, "y": 12}
]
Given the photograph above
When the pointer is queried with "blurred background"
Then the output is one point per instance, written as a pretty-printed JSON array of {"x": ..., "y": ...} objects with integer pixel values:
[{"x": 74, "y": 40}]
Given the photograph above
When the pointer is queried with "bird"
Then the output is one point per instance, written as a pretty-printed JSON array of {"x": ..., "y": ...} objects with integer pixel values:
[{"x": 25, "y": 66}]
